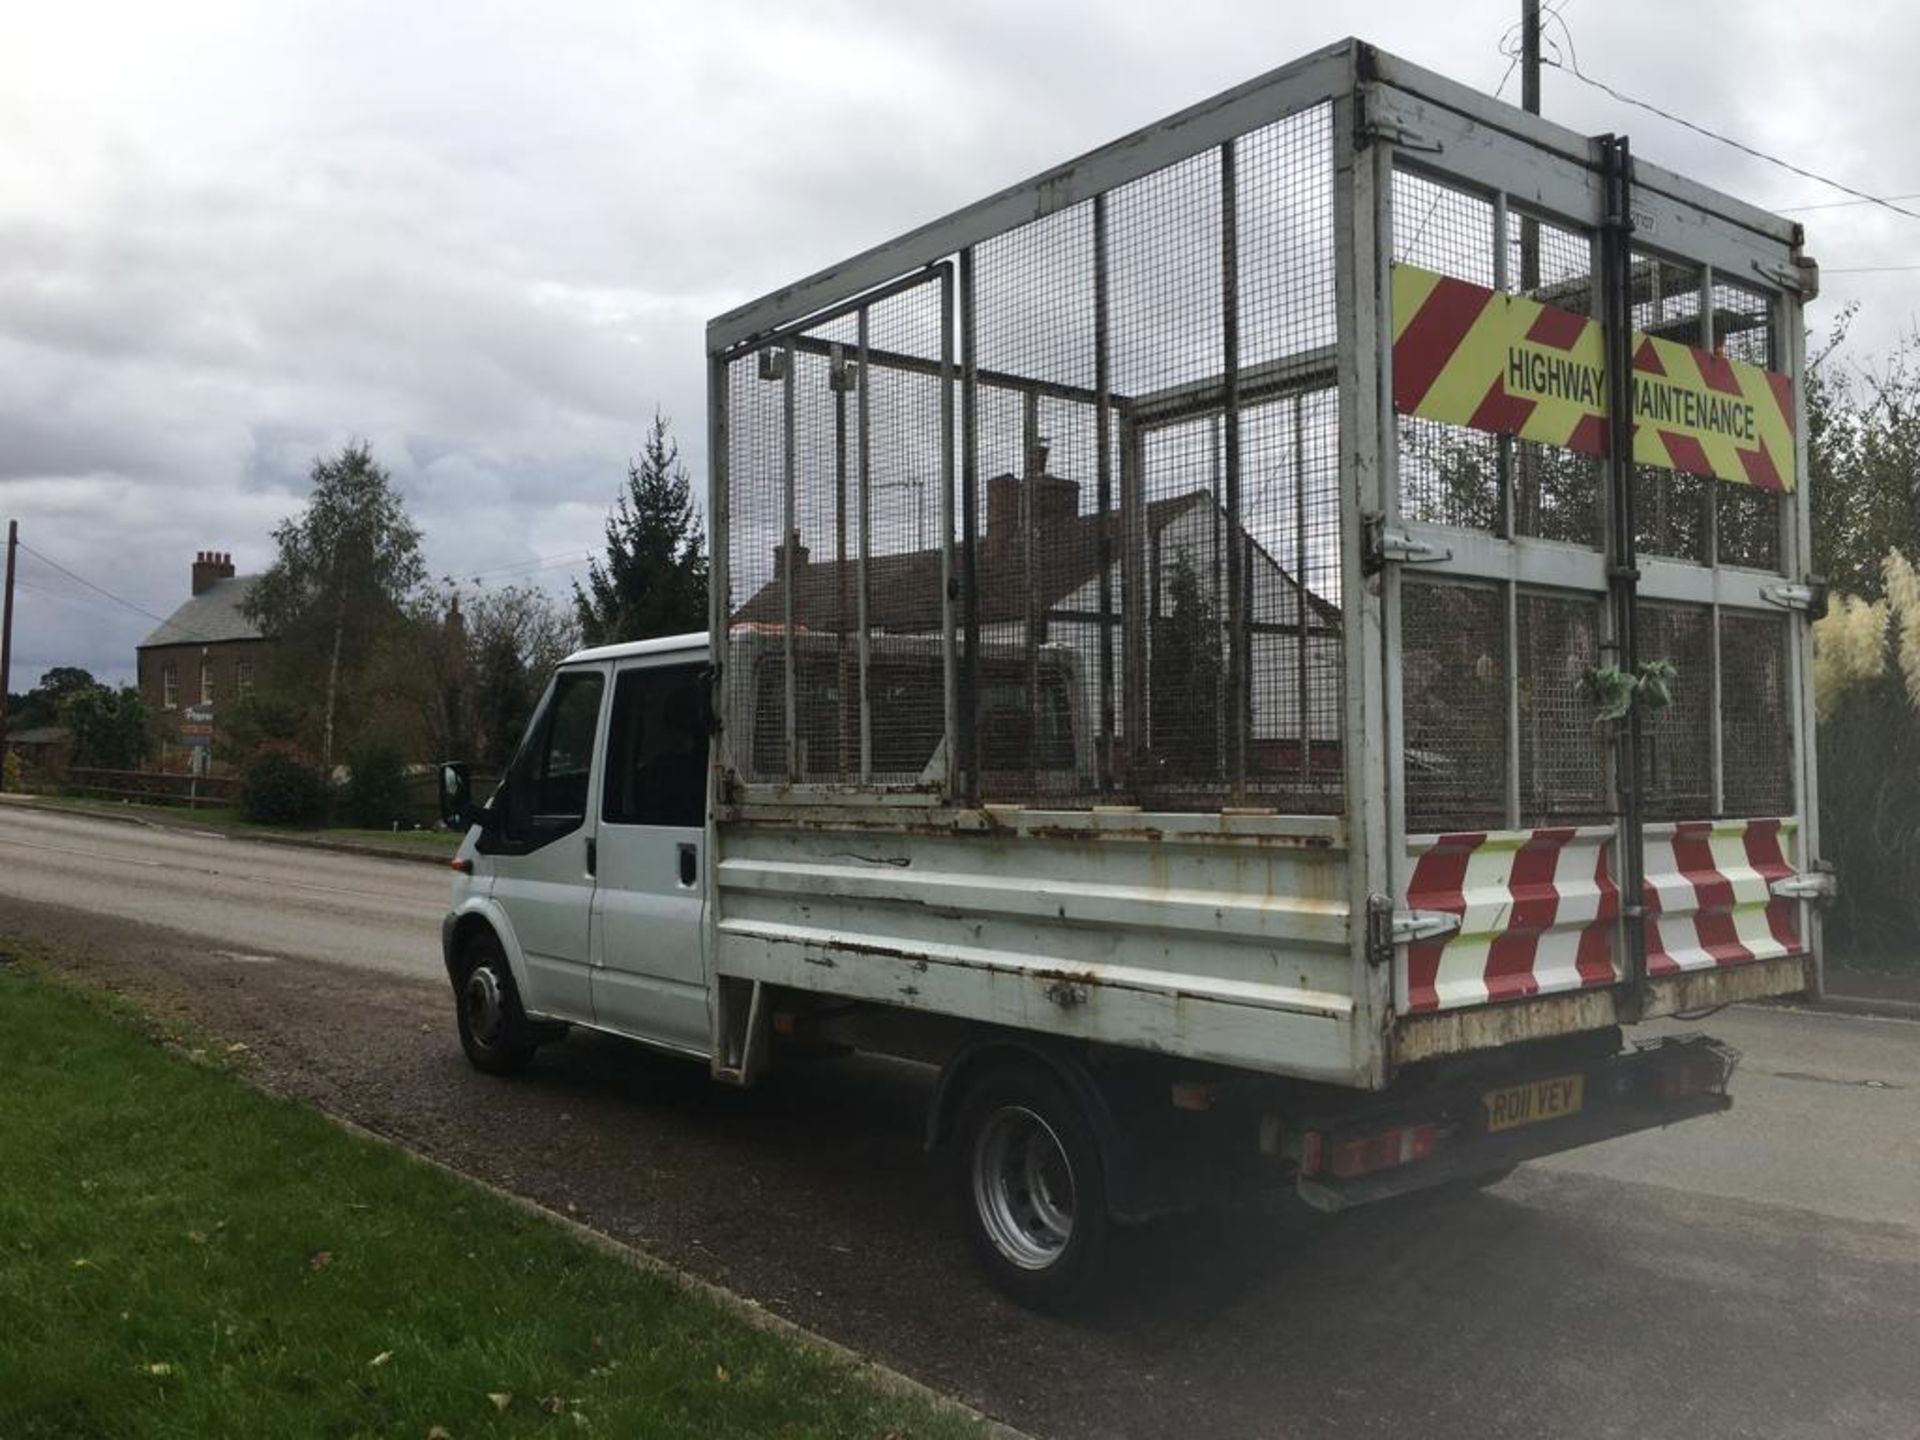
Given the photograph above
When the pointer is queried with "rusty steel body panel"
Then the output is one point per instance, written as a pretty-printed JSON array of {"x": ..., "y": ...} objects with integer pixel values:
[{"x": 1222, "y": 938}]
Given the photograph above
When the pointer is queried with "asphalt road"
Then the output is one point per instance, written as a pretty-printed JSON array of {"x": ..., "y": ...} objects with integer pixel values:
[
  {"x": 1752, "y": 1275},
  {"x": 244, "y": 895}
]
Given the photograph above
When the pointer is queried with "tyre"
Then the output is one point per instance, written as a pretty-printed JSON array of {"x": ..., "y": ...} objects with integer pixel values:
[
  {"x": 494, "y": 1030},
  {"x": 1031, "y": 1187}
]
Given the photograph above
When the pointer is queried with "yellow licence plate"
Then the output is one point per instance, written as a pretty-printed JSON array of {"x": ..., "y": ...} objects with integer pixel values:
[{"x": 1536, "y": 1100}]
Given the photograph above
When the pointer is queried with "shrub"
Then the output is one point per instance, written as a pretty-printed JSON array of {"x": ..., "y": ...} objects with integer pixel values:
[
  {"x": 283, "y": 785},
  {"x": 376, "y": 786}
]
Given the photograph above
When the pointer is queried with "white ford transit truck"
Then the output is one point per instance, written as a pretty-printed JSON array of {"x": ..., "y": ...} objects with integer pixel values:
[{"x": 1202, "y": 652}]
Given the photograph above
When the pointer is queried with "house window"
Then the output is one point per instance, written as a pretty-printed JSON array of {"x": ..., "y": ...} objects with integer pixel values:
[
  {"x": 169, "y": 687},
  {"x": 243, "y": 678},
  {"x": 206, "y": 683}
]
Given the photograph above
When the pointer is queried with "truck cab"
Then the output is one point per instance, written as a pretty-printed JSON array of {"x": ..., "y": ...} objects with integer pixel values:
[{"x": 579, "y": 894}]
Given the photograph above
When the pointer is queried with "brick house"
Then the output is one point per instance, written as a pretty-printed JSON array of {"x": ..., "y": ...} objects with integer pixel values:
[{"x": 206, "y": 655}]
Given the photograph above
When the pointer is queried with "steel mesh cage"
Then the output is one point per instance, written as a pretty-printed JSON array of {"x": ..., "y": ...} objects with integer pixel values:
[
  {"x": 1073, "y": 515},
  {"x": 1563, "y": 759},
  {"x": 1676, "y": 749},
  {"x": 1454, "y": 690},
  {"x": 1756, "y": 729},
  {"x": 1104, "y": 544}
]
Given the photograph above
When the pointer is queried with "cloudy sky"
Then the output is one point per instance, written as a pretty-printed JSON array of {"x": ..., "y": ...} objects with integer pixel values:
[{"x": 486, "y": 236}]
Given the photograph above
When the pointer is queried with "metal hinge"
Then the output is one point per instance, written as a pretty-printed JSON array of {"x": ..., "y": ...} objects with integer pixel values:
[
  {"x": 1810, "y": 597},
  {"x": 1388, "y": 927},
  {"x": 1802, "y": 276},
  {"x": 1384, "y": 545},
  {"x": 1807, "y": 885}
]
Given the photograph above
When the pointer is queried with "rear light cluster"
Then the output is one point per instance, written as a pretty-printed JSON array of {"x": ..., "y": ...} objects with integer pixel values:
[{"x": 1346, "y": 1156}]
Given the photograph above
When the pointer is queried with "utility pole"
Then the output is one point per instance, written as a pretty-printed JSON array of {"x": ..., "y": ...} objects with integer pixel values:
[
  {"x": 1530, "y": 56},
  {"x": 1530, "y": 102},
  {"x": 1521, "y": 469},
  {"x": 6, "y": 644}
]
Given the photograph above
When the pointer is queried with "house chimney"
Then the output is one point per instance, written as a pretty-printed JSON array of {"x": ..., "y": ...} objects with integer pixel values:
[
  {"x": 1055, "y": 504},
  {"x": 209, "y": 566},
  {"x": 780, "y": 556}
]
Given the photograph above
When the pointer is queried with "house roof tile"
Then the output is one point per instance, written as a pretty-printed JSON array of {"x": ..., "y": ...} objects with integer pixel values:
[{"x": 216, "y": 614}]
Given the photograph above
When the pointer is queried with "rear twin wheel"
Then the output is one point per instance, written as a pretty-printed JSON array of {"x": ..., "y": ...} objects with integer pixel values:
[{"x": 1031, "y": 1187}]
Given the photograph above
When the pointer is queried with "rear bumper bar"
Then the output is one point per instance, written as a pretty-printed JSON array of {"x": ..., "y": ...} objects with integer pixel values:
[{"x": 1656, "y": 1084}]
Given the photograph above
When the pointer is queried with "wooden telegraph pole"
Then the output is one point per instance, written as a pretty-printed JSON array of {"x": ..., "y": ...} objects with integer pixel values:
[{"x": 6, "y": 643}]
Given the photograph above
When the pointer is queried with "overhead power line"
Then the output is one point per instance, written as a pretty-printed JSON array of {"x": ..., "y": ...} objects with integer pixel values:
[
  {"x": 1838, "y": 204},
  {"x": 186, "y": 634},
  {"x": 99, "y": 589},
  {"x": 539, "y": 562},
  {"x": 1572, "y": 67}
]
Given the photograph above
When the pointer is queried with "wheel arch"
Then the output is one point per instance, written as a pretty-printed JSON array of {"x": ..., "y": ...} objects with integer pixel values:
[
  {"x": 477, "y": 917},
  {"x": 984, "y": 1053}
]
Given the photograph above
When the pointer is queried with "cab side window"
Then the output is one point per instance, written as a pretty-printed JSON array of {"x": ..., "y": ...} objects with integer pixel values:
[
  {"x": 546, "y": 789},
  {"x": 657, "y": 749}
]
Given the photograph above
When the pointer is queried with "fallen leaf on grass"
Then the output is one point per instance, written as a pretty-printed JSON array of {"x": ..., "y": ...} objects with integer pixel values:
[
  {"x": 553, "y": 1405},
  {"x": 439, "y": 1432},
  {"x": 380, "y": 1359},
  {"x": 319, "y": 1259},
  {"x": 197, "y": 1237},
  {"x": 720, "y": 1373},
  {"x": 236, "y": 1047},
  {"x": 501, "y": 1398},
  {"x": 159, "y": 1367}
]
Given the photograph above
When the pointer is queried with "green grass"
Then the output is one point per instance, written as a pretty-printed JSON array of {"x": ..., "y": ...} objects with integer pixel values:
[{"x": 182, "y": 1256}]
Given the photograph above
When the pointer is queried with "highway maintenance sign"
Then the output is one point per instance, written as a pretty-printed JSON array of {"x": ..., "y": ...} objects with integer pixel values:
[{"x": 1491, "y": 361}]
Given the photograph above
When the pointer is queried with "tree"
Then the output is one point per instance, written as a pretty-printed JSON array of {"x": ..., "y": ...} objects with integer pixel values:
[
  {"x": 654, "y": 581},
  {"x": 460, "y": 679},
  {"x": 515, "y": 637},
  {"x": 42, "y": 704},
  {"x": 1863, "y": 459},
  {"x": 111, "y": 729},
  {"x": 347, "y": 566}
]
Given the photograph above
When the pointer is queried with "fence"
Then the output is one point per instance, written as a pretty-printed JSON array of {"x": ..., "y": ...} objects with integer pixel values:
[{"x": 153, "y": 787}]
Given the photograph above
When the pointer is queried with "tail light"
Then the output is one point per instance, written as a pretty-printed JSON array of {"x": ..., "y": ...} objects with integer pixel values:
[{"x": 1346, "y": 1156}]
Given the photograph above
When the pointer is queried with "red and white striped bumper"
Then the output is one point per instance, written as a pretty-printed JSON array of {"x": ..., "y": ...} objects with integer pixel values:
[{"x": 1539, "y": 909}]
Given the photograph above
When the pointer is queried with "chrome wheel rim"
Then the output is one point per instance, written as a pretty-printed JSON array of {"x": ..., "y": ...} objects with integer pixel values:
[
  {"x": 485, "y": 1009},
  {"x": 1023, "y": 1187}
]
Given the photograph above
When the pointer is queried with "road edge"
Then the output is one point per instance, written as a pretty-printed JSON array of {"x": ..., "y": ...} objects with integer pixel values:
[
  {"x": 297, "y": 842},
  {"x": 748, "y": 1311}
]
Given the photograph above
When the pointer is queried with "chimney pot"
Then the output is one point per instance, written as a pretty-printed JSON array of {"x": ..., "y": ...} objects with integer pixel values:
[{"x": 209, "y": 566}]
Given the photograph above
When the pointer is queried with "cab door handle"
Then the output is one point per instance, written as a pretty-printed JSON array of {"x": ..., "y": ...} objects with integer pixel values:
[
  {"x": 593, "y": 857},
  {"x": 689, "y": 865}
]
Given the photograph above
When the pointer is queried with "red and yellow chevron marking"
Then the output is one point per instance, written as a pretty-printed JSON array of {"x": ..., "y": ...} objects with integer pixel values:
[{"x": 1492, "y": 361}]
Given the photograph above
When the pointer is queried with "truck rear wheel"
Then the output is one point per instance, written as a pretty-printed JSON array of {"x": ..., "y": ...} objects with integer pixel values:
[
  {"x": 494, "y": 1030},
  {"x": 1031, "y": 1187}
]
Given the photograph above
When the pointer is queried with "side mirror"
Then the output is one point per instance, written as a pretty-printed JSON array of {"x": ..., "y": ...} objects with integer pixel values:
[{"x": 456, "y": 795}]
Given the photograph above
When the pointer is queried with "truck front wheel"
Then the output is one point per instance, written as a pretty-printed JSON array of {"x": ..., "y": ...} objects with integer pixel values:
[
  {"x": 494, "y": 1030},
  {"x": 1031, "y": 1187}
]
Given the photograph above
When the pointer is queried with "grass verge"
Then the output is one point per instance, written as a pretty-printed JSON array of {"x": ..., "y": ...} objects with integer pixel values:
[
  {"x": 181, "y": 1255},
  {"x": 229, "y": 820}
]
